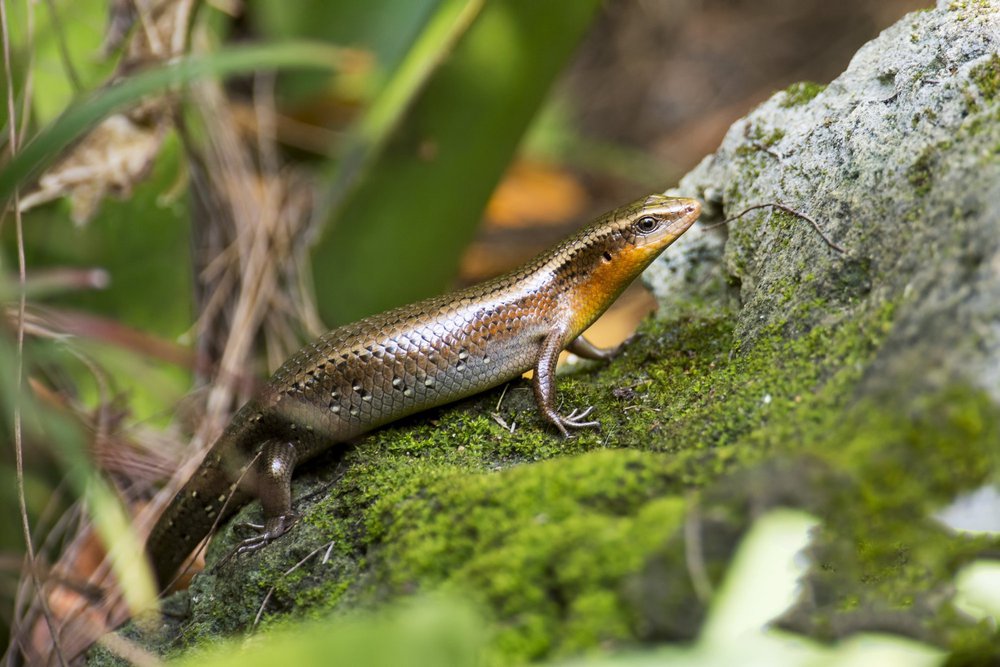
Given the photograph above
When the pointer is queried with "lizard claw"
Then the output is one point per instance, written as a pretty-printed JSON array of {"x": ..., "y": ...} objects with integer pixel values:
[
  {"x": 578, "y": 414},
  {"x": 574, "y": 420},
  {"x": 272, "y": 529},
  {"x": 248, "y": 528}
]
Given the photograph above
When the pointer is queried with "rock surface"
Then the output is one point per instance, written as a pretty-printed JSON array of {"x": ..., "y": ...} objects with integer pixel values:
[
  {"x": 862, "y": 386},
  {"x": 898, "y": 159}
]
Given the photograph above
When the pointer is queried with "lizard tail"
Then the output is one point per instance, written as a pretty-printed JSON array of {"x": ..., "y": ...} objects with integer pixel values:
[{"x": 193, "y": 516}]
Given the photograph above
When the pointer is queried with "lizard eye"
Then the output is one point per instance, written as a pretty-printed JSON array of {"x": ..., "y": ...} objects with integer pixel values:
[{"x": 647, "y": 224}]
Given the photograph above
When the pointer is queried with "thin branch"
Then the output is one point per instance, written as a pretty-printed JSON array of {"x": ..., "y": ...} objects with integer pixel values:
[
  {"x": 263, "y": 103},
  {"x": 500, "y": 400},
  {"x": 149, "y": 29},
  {"x": 270, "y": 591},
  {"x": 786, "y": 209}
]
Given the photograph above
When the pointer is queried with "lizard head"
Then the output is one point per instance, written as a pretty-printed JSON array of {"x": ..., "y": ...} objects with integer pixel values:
[{"x": 605, "y": 257}]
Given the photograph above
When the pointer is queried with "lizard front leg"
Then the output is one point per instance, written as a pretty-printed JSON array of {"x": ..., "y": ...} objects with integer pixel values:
[
  {"x": 584, "y": 349},
  {"x": 544, "y": 385}
]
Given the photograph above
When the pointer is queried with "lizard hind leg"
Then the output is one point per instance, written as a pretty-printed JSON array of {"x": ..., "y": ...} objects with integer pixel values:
[{"x": 272, "y": 483}]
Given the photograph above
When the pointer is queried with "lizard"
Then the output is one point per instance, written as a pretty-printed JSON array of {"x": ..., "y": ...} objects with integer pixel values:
[{"x": 363, "y": 375}]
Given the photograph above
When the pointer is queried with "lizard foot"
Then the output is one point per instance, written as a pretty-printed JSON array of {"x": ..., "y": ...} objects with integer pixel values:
[
  {"x": 272, "y": 529},
  {"x": 574, "y": 420}
]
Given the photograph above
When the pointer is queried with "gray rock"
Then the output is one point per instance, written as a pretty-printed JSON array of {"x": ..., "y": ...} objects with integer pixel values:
[
  {"x": 898, "y": 162},
  {"x": 898, "y": 159}
]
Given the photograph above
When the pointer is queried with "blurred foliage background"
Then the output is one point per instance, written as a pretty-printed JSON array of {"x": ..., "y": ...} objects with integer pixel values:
[{"x": 444, "y": 142}]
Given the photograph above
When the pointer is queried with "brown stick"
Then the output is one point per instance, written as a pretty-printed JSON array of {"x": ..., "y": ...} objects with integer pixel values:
[{"x": 786, "y": 209}]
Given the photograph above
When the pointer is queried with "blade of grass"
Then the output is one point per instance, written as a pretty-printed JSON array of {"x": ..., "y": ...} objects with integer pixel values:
[
  {"x": 111, "y": 521},
  {"x": 450, "y": 21},
  {"x": 48, "y": 144},
  {"x": 420, "y": 200},
  {"x": 19, "y": 362}
]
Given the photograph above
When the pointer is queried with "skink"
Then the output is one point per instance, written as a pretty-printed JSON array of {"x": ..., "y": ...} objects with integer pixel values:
[{"x": 360, "y": 376}]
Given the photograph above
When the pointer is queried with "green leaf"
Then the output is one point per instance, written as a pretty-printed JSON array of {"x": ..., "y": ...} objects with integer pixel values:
[
  {"x": 399, "y": 235},
  {"x": 425, "y": 631},
  {"x": 374, "y": 129}
]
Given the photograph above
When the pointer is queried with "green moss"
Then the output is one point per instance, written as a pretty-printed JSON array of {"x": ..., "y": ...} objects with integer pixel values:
[
  {"x": 569, "y": 545},
  {"x": 972, "y": 7},
  {"x": 986, "y": 76},
  {"x": 878, "y": 554},
  {"x": 920, "y": 173},
  {"x": 801, "y": 92},
  {"x": 542, "y": 546}
]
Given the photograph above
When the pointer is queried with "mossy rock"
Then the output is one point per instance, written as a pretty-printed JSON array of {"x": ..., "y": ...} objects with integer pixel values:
[{"x": 861, "y": 385}]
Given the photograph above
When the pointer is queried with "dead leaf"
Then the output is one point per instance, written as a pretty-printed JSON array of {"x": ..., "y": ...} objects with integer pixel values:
[
  {"x": 111, "y": 159},
  {"x": 532, "y": 193}
]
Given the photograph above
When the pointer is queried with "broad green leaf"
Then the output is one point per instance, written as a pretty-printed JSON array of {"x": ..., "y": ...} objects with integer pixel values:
[
  {"x": 384, "y": 28},
  {"x": 398, "y": 236},
  {"x": 375, "y": 127},
  {"x": 424, "y": 631}
]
